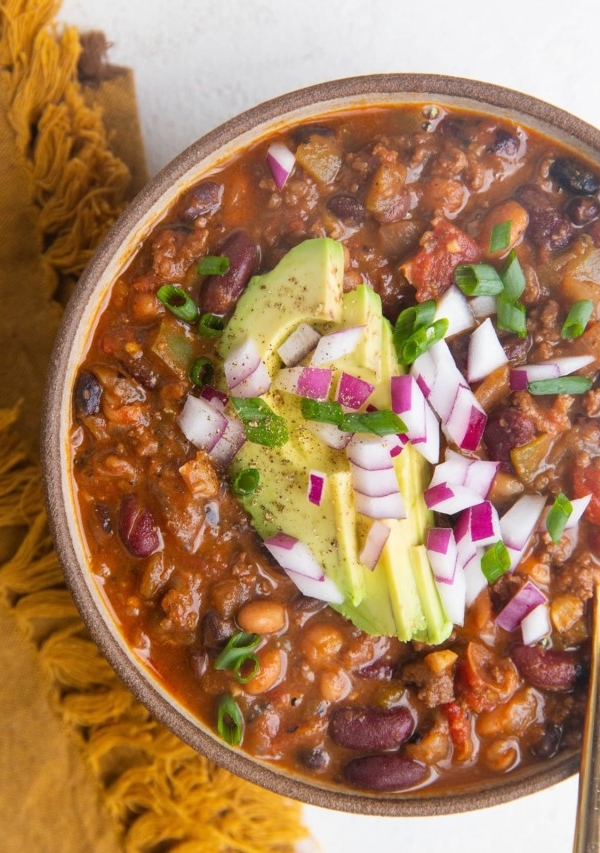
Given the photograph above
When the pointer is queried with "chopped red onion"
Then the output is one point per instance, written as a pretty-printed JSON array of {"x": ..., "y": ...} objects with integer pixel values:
[
  {"x": 453, "y": 306},
  {"x": 483, "y": 306},
  {"x": 536, "y": 625},
  {"x": 329, "y": 434},
  {"x": 337, "y": 345},
  {"x": 353, "y": 392},
  {"x": 374, "y": 483},
  {"x": 480, "y": 476},
  {"x": 213, "y": 396},
  {"x": 255, "y": 385},
  {"x": 313, "y": 382},
  {"x": 475, "y": 580},
  {"x": 442, "y": 553},
  {"x": 454, "y": 470},
  {"x": 467, "y": 421},
  {"x": 228, "y": 445},
  {"x": 521, "y": 376},
  {"x": 323, "y": 589},
  {"x": 449, "y": 499},
  {"x": 486, "y": 353},
  {"x": 294, "y": 556},
  {"x": 380, "y": 506},
  {"x": 375, "y": 542},
  {"x": 520, "y": 605},
  {"x": 518, "y": 524},
  {"x": 453, "y": 596},
  {"x": 241, "y": 362},
  {"x": 302, "y": 341},
  {"x": 424, "y": 371},
  {"x": 201, "y": 423},
  {"x": 484, "y": 524},
  {"x": 316, "y": 487},
  {"x": 371, "y": 452},
  {"x": 281, "y": 163}
]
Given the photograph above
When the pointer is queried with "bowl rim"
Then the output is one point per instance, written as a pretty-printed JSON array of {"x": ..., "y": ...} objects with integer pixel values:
[{"x": 116, "y": 249}]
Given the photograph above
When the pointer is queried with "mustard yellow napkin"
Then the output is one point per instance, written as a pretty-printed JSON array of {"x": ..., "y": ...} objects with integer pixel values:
[{"x": 83, "y": 767}]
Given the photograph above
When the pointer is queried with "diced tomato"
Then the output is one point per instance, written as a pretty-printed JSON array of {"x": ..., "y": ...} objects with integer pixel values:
[
  {"x": 586, "y": 480},
  {"x": 459, "y": 723},
  {"x": 430, "y": 270},
  {"x": 483, "y": 679}
]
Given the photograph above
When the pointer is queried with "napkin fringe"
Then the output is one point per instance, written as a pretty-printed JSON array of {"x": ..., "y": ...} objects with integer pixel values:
[{"x": 162, "y": 795}]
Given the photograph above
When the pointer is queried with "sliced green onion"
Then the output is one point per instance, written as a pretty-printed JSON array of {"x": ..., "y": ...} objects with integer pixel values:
[
  {"x": 201, "y": 371},
  {"x": 513, "y": 278},
  {"x": 500, "y": 237},
  {"x": 178, "y": 302},
  {"x": 261, "y": 424},
  {"x": 210, "y": 325},
  {"x": 478, "y": 280},
  {"x": 420, "y": 341},
  {"x": 558, "y": 516},
  {"x": 213, "y": 265},
  {"x": 562, "y": 385},
  {"x": 511, "y": 316},
  {"x": 577, "y": 318},
  {"x": 383, "y": 422},
  {"x": 236, "y": 655},
  {"x": 324, "y": 411},
  {"x": 246, "y": 482},
  {"x": 414, "y": 318},
  {"x": 495, "y": 562},
  {"x": 230, "y": 722}
]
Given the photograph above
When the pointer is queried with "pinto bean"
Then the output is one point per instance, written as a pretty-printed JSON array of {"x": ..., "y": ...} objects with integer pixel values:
[
  {"x": 220, "y": 293},
  {"x": 88, "y": 393},
  {"x": 137, "y": 528},
  {"x": 262, "y": 616},
  {"x": 546, "y": 669},
  {"x": 505, "y": 430},
  {"x": 548, "y": 227},
  {"x": 392, "y": 772},
  {"x": 370, "y": 728},
  {"x": 573, "y": 176},
  {"x": 508, "y": 211},
  {"x": 201, "y": 200}
]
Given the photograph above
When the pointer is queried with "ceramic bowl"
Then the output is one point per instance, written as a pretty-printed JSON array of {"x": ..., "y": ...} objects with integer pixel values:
[{"x": 113, "y": 255}]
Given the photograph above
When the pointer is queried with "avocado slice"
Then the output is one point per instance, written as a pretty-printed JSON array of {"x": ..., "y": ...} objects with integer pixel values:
[{"x": 399, "y": 597}]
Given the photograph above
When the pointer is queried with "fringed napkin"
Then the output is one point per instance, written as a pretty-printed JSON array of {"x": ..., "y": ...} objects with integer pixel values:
[{"x": 83, "y": 767}]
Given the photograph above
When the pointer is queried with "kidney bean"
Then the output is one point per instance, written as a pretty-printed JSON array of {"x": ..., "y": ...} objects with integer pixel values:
[
  {"x": 88, "y": 393},
  {"x": 370, "y": 728},
  {"x": 546, "y": 669},
  {"x": 137, "y": 528},
  {"x": 141, "y": 370},
  {"x": 346, "y": 207},
  {"x": 516, "y": 348},
  {"x": 572, "y": 175},
  {"x": 391, "y": 772},
  {"x": 582, "y": 209},
  {"x": 379, "y": 670},
  {"x": 220, "y": 293},
  {"x": 548, "y": 744},
  {"x": 504, "y": 430},
  {"x": 548, "y": 227},
  {"x": 201, "y": 200}
]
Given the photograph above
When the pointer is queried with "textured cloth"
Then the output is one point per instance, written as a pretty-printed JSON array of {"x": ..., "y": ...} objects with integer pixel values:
[{"x": 83, "y": 767}]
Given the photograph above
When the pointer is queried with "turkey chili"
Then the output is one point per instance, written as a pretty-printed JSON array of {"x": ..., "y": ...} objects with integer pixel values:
[{"x": 336, "y": 446}]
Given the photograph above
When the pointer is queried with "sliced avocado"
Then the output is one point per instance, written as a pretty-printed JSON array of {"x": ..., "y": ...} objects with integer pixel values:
[
  {"x": 399, "y": 597},
  {"x": 305, "y": 286}
]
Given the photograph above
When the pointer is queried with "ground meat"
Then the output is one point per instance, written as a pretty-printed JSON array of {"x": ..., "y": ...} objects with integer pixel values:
[
  {"x": 434, "y": 688},
  {"x": 577, "y": 577},
  {"x": 173, "y": 251}
]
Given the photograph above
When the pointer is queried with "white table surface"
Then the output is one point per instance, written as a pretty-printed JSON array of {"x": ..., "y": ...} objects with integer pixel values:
[{"x": 199, "y": 62}]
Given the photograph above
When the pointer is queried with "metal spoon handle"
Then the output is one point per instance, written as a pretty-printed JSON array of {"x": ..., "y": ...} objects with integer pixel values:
[{"x": 587, "y": 828}]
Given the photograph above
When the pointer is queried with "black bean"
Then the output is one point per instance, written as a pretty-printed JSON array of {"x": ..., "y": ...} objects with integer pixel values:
[
  {"x": 220, "y": 293},
  {"x": 306, "y": 604},
  {"x": 103, "y": 513},
  {"x": 546, "y": 669},
  {"x": 573, "y": 176},
  {"x": 506, "y": 429},
  {"x": 88, "y": 394},
  {"x": 370, "y": 728},
  {"x": 379, "y": 670},
  {"x": 582, "y": 209},
  {"x": 215, "y": 630},
  {"x": 548, "y": 744},
  {"x": 391, "y": 772},
  {"x": 201, "y": 200},
  {"x": 137, "y": 528},
  {"x": 315, "y": 758},
  {"x": 346, "y": 207},
  {"x": 141, "y": 370},
  {"x": 504, "y": 143},
  {"x": 548, "y": 227}
]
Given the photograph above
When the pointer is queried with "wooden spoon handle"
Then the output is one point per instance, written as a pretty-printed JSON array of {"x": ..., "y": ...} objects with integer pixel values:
[{"x": 587, "y": 829}]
